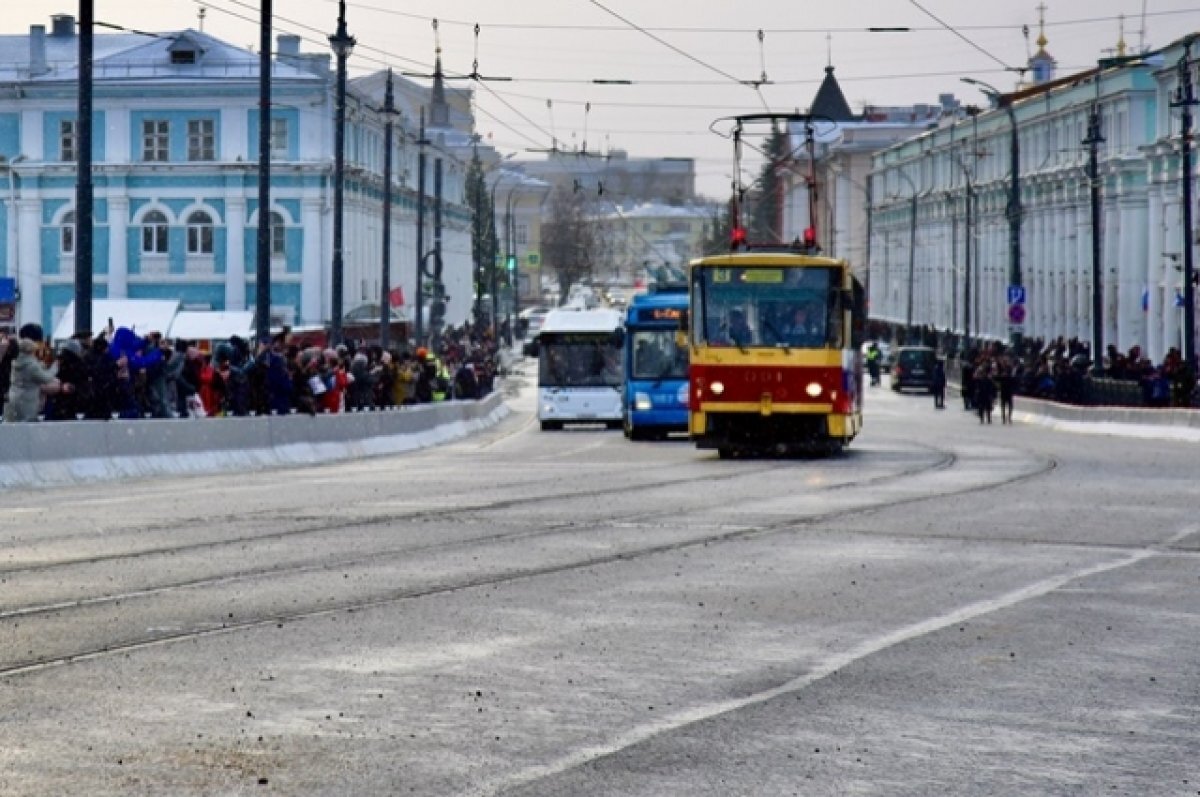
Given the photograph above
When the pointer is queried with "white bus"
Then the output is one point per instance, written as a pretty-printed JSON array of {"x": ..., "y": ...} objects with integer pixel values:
[{"x": 579, "y": 367}]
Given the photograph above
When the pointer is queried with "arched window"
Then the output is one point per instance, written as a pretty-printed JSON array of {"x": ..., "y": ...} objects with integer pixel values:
[
  {"x": 66, "y": 234},
  {"x": 278, "y": 235},
  {"x": 199, "y": 233},
  {"x": 154, "y": 233}
]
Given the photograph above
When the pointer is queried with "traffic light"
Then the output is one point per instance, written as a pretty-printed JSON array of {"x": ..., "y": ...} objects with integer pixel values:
[{"x": 510, "y": 264}]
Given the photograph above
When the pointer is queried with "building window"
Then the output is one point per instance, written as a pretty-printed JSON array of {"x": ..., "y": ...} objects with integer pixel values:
[
  {"x": 279, "y": 139},
  {"x": 183, "y": 56},
  {"x": 278, "y": 236},
  {"x": 68, "y": 140},
  {"x": 156, "y": 140},
  {"x": 154, "y": 233},
  {"x": 66, "y": 234},
  {"x": 522, "y": 234},
  {"x": 202, "y": 140},
  {"x": 199, "y": 233}
]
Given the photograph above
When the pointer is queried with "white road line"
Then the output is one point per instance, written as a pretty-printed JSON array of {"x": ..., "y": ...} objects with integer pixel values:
[{"x": 824, "y": 669}]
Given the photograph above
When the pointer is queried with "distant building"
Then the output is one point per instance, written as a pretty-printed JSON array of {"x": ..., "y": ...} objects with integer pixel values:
[
  {"x": 617, "y": 176},
  {"x": 647, "y": 239},
  {"x": 175, "y": 149}
]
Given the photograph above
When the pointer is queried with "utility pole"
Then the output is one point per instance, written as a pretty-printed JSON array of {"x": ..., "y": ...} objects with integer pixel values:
[
  {"x": 83, "y": 184},
  {"x": 342, "y": 43},
  {"x": 1185, "y": 98},
  {"x": 385, "y": 278},
  {"x": 437, "y": 307},
  {"x": 420, "y": 299},
  {"x": 262, "y": 268},
  {"x": 1093, "y": 141}
]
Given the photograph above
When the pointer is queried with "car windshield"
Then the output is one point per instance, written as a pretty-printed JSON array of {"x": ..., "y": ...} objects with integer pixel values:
[
  {"x": 910, "y": 359},
  {"x": 767, "y": 306},
  {"x": 655, "y": 355},
  {"x": 579, "y": 360}
]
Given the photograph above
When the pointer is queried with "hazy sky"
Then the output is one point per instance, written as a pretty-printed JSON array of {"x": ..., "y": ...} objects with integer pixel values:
[{"x": 685, "y": 64}]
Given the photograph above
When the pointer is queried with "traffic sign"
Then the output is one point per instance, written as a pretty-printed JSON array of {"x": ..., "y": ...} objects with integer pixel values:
[
  {"x": 1016, "y": 294},
  {"x": 1016, "y": 313}
]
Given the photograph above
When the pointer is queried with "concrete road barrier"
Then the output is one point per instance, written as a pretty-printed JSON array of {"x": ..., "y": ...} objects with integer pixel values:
[{"x": 46, "y": 454}]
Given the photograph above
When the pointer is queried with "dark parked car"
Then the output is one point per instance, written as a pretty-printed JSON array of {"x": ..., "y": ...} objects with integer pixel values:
[{"x": 913, "y": 368}]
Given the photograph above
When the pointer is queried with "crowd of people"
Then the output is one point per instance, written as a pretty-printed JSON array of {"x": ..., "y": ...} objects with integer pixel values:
[
  {"x": 121, "y": 374},
  {"x": 1062, "y": 369}
]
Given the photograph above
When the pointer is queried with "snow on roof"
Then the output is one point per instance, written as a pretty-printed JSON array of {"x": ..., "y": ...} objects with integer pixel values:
[
  {"x": 212, "y": 325},
  {"x": 140, "y": 315},
  {"x": 660, "y": 210},
  {"x": 124, "y": 56}
]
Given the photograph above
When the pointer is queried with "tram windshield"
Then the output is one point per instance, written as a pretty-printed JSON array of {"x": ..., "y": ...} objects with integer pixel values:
[
  {"x": 767, "y": 306},
  {"x": 579, "y": 360},
  {"x": 655, "y": 355}
]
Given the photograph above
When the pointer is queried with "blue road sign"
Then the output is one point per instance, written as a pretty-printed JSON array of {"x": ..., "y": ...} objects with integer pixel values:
[{"x": 1016, "y": 294}]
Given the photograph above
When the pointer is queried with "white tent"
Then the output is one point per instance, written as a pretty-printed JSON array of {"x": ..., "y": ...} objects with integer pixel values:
[
  {"x": 140, "y": 315},
  {"x": 212, "y": 325}
]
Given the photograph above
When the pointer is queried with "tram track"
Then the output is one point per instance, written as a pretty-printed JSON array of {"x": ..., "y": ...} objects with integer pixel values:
[{"x": 945, "y": 459}]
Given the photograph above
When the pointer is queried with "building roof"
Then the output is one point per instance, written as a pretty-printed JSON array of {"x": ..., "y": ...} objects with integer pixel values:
[
  {"x": 128, "y": 56},
  {"x": 140, "y": 315},
  {"x": 661, "y": 210},
  {"x": 830, "y": 102},
  {"x": 212, "y": 325}
]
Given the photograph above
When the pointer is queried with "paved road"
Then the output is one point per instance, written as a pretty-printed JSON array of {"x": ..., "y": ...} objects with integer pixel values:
[{"x": 949, "y": 608}]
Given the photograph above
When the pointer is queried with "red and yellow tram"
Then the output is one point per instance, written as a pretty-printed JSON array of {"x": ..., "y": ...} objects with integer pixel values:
[{"x": 776, "y": 366}]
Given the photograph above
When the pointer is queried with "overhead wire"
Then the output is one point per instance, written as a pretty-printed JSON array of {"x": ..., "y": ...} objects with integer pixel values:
[
  {"x": 960, "y": 35},
  {"x": 684, "y": 53},
  {"x": 727, "y": 30}
]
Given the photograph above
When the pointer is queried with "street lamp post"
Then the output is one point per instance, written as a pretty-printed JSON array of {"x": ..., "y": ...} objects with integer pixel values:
[
  {"x": 1184, "y": 99},
  {"x": 1014, "y": 196},
  {"x": 385, "y": 282},
  {"x": 342, "y": 44}
]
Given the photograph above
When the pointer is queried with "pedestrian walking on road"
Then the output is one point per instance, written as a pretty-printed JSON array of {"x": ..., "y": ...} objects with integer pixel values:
[
  {"x": 985, "y": 392},
  {"x": 1006, "y": 384},
  {"x": 938, "y": 386}
]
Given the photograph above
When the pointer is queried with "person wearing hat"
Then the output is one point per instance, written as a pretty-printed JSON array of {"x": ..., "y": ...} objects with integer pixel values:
[
  {"x": 31, "y": 381},
  {"x": 71, "y": 403}
]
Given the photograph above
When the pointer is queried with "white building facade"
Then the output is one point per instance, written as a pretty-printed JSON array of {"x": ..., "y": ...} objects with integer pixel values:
[{"x": 923, "y": 237}]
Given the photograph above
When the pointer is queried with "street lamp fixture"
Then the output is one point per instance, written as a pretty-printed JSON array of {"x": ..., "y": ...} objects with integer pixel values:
[
  {"x": 1014, "y": 197},
  {"x": 342, "y": 44}
]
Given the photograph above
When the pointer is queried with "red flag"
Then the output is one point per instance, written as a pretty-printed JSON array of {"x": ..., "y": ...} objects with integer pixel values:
[{"x": 396, "y": 297}]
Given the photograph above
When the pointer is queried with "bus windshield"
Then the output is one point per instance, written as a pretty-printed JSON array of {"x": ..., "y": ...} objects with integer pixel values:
[
  {"x": 767, "y": 306},
  {"x": 579, "y": 360},
  {"x": 655, "y": 355}
]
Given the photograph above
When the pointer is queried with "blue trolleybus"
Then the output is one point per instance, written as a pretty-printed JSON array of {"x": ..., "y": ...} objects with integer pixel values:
[{"x": 656, "y": 370}]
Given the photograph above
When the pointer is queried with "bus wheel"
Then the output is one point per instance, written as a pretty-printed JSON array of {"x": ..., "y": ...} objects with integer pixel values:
[
  {"x": 548, "y": 426},
  {"x": 725, "y": 452},
  {"x": 613, "y": 424}
]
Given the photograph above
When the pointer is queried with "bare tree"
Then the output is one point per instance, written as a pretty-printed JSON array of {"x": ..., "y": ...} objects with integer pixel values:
[{"x": 570, "y": 239}]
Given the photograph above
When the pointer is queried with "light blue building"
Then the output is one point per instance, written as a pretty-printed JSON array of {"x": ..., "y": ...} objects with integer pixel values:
[{"x": 175, "y": 150}]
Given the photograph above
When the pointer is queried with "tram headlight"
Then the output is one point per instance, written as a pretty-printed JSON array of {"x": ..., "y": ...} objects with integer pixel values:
[
  {"x": 717, "y": 388},
  {"x": 813, "y": 389},
  {"x": 641, "y": 401}
]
